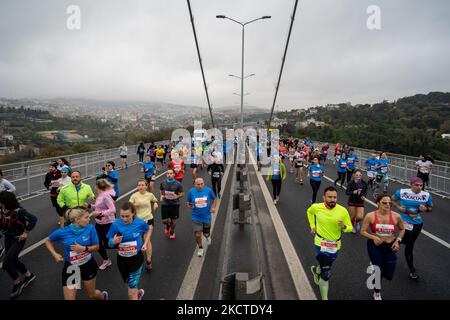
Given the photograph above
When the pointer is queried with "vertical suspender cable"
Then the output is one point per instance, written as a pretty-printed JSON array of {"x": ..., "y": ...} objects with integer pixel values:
[
  {"x": 200, "y": 61},
  {"x": 282, "y": 63}
]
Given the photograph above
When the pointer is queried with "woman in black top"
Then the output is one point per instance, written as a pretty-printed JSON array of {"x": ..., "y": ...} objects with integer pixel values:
[
  {"x": 357, "y": 191},
  {"x": 16, "y": 223}
]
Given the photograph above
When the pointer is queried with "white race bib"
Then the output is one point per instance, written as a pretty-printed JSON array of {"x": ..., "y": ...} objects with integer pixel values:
[
  {"x": 315, "y": 173},
  {"x": 371, "y": 174},
  {"x": 408, "y": 226},
  {"x": 216, "y": 175},
  {"x": 201, "y": 202},
  {"x": 343, "y": 164},
  {"x": 128, "y": 249},
  {"x": 170, "y": 195},
  {"x": 384, "y": 169},
  {"x": 328, "y": 246},
  {"x": 276, "y": 172},
  {"x": 177, "y": 168},
  {"x": 423, "y": 169},
  {"x": 79, "y": 258},
  {"x": 385, "y": 230}
]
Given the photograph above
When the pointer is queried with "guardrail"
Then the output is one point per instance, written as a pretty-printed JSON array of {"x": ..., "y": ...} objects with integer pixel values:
[{"x": 28, "y": 176}]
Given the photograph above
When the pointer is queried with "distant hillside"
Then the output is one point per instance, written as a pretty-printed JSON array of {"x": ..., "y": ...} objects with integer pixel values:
[{"x": 409, "y": 125}]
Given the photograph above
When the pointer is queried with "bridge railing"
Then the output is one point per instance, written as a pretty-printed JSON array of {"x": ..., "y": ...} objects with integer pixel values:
[{"x": 28, "y": 177}]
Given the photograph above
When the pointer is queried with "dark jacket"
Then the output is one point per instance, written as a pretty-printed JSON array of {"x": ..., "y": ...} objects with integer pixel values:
[
  {"x": 214, "y": 168},
  {"x": 49, "y": 177},
  {"x": 356, "y": 198},
  {"x": 15, "y": 222}
]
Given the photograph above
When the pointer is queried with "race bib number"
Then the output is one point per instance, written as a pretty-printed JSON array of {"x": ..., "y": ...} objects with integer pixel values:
[
  {"x": 216, "y": 175},
  {"x": 343, "y": 164},
  {"x": 201, "y": 202},
  {"x": 177, "y": 168},
  {"x": 371, "y": 174},
  {"x": 79, "y": 258},
  {"x": 384, "y": 169},
  {"x": 170, "y": 195},
  {"x": 328, "y": 246},
  {"x": 423, "y": 169},
  {"x": 316, "y": 173},
  {"x": 128, "y": 249},
  {"x": 384, "y": 229},
  {"x": 408, "y": 226},
  {"x": 276, "y": 172}
]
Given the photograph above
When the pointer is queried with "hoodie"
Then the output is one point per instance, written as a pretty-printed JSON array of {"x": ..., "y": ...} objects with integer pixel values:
[{"x": 105, "y": 204}]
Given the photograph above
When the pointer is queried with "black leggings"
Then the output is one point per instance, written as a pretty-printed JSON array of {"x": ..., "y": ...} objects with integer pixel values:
[
  {"x": 102, "y": 231},
  {"x": 408, "y": 240},
  {"x": 349, "y": 175},
  {"x": 276, "y": 186},
  {"x": 315, "y": 185},
  {"x": 216, "y": 185},
  {"x": 11, "y": 263},
  {"x": 141, "y": 157},
  {"x": 341, "y": 177}
]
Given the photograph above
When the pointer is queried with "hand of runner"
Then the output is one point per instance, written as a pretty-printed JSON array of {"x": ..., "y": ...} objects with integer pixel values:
[
  {"x": 355, "y": 192},
  {"x": 86, "y": 205},
  {"x": 77, "y": 248},
  {"x": 23, "y": 236},
  {"x": 117, "y": 239},
  {"x": 422, "y": 208},
  {"x": 395, "y": 246},
  {"x": 95, "y": 214},
  {"x": 58, "y": 258},
  {"x": 341, "y": 224},
  {"x": 377, "y": 241},
  {"x": 402, "y": 209},
  {"x": 189, "y": 205},
  {"x": 213, "y": 210},
  {"x": 313, "y": 231},
  {"x": 144, "y": 248}
]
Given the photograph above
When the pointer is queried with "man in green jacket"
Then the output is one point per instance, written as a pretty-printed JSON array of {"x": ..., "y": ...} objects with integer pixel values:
[
  {"x": 277, "y": 174},
  {"x": 75, "y": 194}
]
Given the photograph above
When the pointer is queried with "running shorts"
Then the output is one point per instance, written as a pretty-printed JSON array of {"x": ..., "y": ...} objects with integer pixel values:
[
  {"x": 204, "y": 227},
  {"x": 88, "y": 271},
  {"x": 170, "y": 212},
  {"x": 131, "y": 269}
]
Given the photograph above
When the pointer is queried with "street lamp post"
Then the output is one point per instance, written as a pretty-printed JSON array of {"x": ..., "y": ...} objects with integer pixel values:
[{"x": 242, "y": 64}]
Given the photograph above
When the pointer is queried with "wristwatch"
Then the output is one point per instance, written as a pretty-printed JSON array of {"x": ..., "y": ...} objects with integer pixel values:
[
  {"x": 398, "y": 239},
  {"x": 87, "y": 249}
]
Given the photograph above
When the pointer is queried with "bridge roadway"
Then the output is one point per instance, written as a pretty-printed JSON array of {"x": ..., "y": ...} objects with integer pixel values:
[{"x": 172, "y": 258}]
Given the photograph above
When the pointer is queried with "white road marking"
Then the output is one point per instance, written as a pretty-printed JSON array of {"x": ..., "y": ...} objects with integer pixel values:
[
  {"x": 428, "y": 234},
  {"x": 192, "y": 276},
  {"x": 301, "y": 282}
]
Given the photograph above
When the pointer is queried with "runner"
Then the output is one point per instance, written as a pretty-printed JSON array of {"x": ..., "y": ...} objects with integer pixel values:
[
  {"x": 123, "y": 153},
  {"x": 79, "y": 240},
  {"x": 383, "y": 243},
  {"x": 160, "y": 155},
  {"x": 149, "y": 169},
  {"x": 315, "y": 154},
  {"x": 126, "y": 235},
  {"x": 63, "y": 163},
  {"x": 16, "y": 223},
  {"x": 337, "y": 151},
  {"x": 424, "y": 166},
  {"x": 110, "y": 174},
  {"x": 282, "y": 150},
  {"x": 52, "y": 179},
  {"x": 291, "y": 153},
  {"x": 357, "y": 191},
  {"x": 168, "y": 152},
  {"x": 411, "y": 203},
  {"x": 315, "y": 174},
  {"x": 202, "y": 201},
  {"x": 141, "y": 151},
  {"x": 341, "y": 169},
  {"x": 325, "y": 149},
  {"x": 5, "y": 185},
  {"x": 177, "y": 165},
  {"x": 151, "y": 152},
  {"x": 382, "y": 174},
  {"x": 75, "y": 194},
  {"x": 216, "y": 171},
  {"x": 371, "y": 165},
  {"x": 327, "y": 221},
  {"x": 195, "y": 158},
  {"x": 351, "y": 164},
  {"x": 171, "y": 193},
  {"x": 104, "y": 212},
  {"x": 142, "y": 201},
  {"x": 277, "y": 174},
  {"x": 300, "y": 161}
]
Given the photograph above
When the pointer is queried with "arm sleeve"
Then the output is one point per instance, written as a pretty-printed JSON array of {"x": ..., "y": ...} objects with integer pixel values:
[
  {"x": 153, "y": 199},
  {"x": 189, "y": 197},
  {"x": 212, "y": 195},
  {"x": 364, "y": 189},
  {"x": 112, "y": 231},
  {"x": 90, "y": 193},
  {"x": 111, "y": 211},
  {"x": 10, "y": 187},
  {"x": 55, "y": 235},
  {"x": 430, "y": 201},
  {"x": 113, "y": 176},
  {"x": 396, "y": 195},
  {"x": 347, "y": 222},
  {"x": 47, "y": 182},
  {"x": 60, "y": 199},
  {"x": 350, "y": 188},
  {"x": 29, "y": 218},
  {"x": 311, "y": 214}
]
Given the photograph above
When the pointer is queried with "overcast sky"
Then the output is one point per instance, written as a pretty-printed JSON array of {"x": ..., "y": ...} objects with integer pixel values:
[{"x": 145, "y": 50}]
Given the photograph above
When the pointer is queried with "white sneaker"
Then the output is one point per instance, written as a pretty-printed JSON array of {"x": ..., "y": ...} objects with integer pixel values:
[
  {"x": 208, "y": 241},
  {"x": 141, "y": 293},
  {"x": 377, "y": 296},
  {"x": 105, "y": 295},
  {"x": 105, "y": 264},
  {"x": 200, "y": 252}
]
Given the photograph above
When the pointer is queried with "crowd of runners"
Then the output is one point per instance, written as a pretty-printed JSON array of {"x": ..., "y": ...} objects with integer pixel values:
[
  {"x": 89, "y": 223},
  {"x": 384, "y": 228}
]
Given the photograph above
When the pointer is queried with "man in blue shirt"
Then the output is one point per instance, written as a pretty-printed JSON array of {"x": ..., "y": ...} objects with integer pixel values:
[
  {"x": 371, "y": 165},
  {"x": 202, "y": 201},
  {"x": 411, "y": 203},
  {"x": 351, "y": 160}
]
